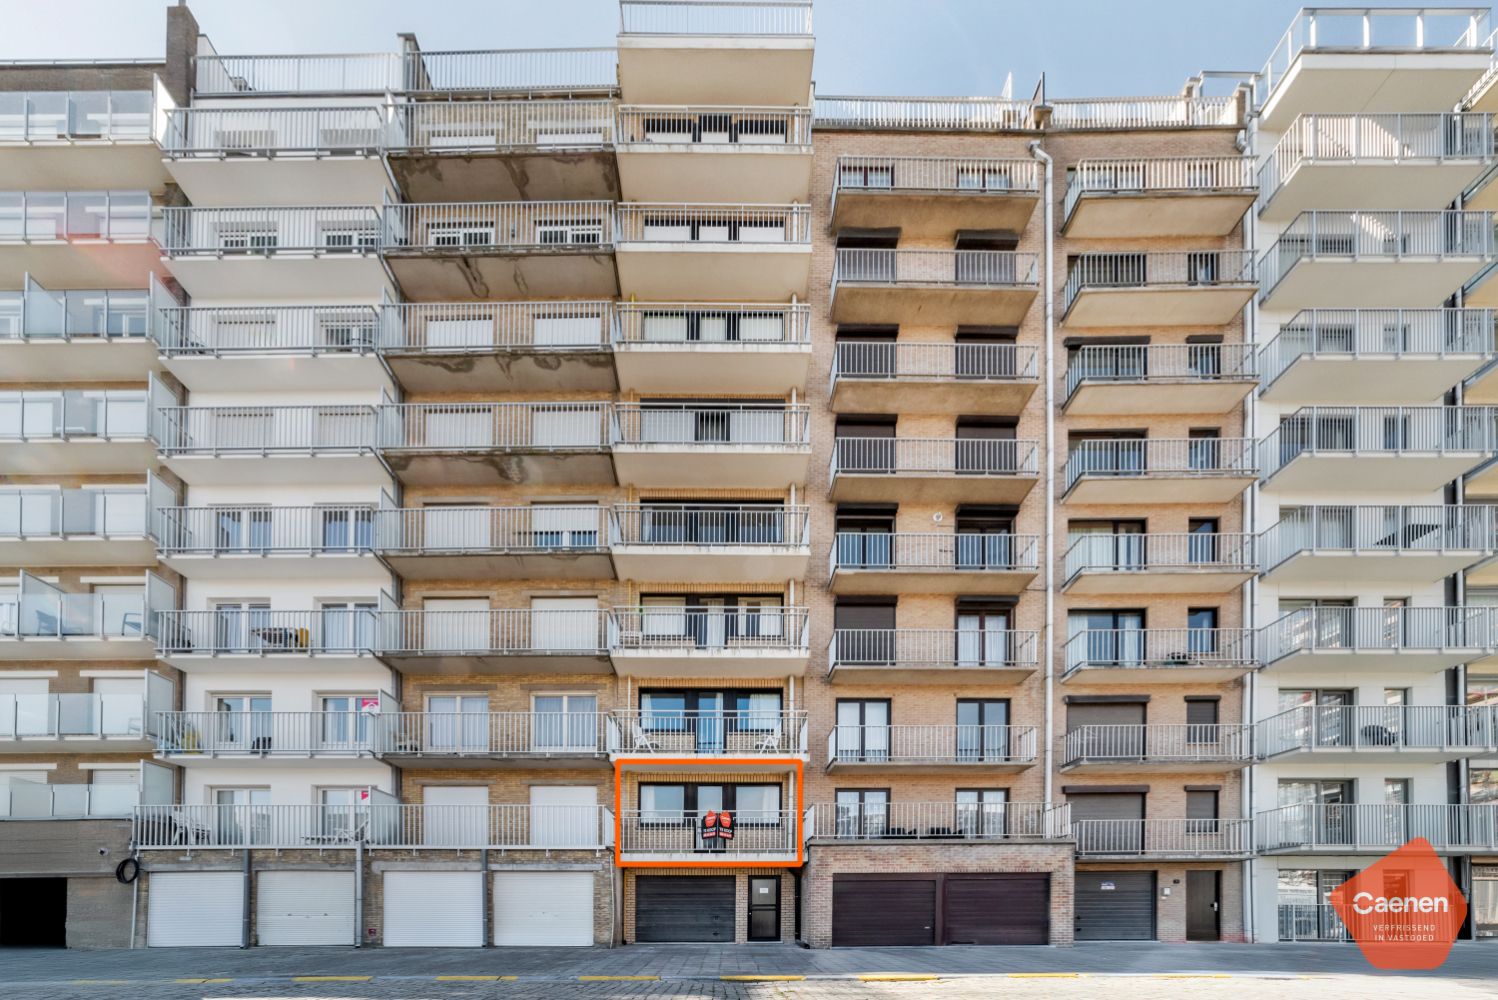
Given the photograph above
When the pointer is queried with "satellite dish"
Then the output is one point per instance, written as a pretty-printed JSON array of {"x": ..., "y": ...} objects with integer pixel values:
[{"x": 936, "y": 517}]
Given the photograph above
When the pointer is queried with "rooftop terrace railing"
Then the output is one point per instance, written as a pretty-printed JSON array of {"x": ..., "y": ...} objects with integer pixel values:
[
  {"x": 715, "y": 17},
  {"x": 79, "y": 115}
]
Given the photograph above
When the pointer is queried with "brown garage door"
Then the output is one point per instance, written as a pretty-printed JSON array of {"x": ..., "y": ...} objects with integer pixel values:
[
  {"x": 996, "y": 909},
  {"x": 880, "y": 912}
]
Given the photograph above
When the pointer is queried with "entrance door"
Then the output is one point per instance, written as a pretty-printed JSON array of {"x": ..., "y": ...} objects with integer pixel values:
[
  {"x": 764, "y": 908},
  {"x": 1203, "y": 906}
]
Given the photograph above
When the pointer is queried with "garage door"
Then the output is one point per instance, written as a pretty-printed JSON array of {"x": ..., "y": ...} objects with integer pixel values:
[
  {"x": 1115, "y": 906},
  {"x": 195, "y": 909},
  {"x": 434, "y": 909},
  {"x": 985, "y": 909},
  {"x": 683, "y": 908},
  {"x": 876, "y": 912},
  {"x": 543, "y": 908},
  {"x": 293, "y": 908}
]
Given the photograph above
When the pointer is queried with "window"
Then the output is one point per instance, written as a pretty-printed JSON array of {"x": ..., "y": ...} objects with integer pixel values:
[
  {"x": 1201, "y": 721},
  {"x": 241, "y": 815},
  {"x": 1202, "y": 811},
  {"x": 862, "y": 812},
  {"x": 345, "y": 723},
  {"x": 981, "y": 811},
  {"x": 242, "y": 722},
  {"x": 982, "y": 637},
  {"x": 1482, "y": 785},
  {"x": 564, "y": 722},
  {"x": 348, "y": 626},
  {"x": 864, "y": 175},
  {"x": 662, "y": 803},
  {"x": 757, "y": 804},
  {"x": 347, "y": 529},
  {"x": 349, "y": 240},
  {"x": 1205, "y": 449},
  {"x": 246, "y": 627},
  {"x": 863, "y": 731},
  {"x": 982, "y": 729},
  {"x": 342, "y": 813},
  {"x": 1108, "y": 638},
  {"x": 1202, "y": 547}
]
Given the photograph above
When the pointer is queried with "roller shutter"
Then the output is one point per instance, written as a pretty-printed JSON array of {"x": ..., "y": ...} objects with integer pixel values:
[
  {"x": 684, "y": 908},
  {"x": 875, "y": 912},
  {"x": 543, "y": 908},
  {"x": 304, "y": 908},
  {"x": 195, "y": 909},
  {"x": 1115, "y": 906},
  {"x": 996, "y": 909},
  {"x": 434, "y": 909}
]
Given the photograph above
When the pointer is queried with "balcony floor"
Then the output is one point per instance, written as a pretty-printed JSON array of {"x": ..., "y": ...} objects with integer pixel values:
[
  {"x": 1372, "y": 283},
  {"x": 731, "y": 272},
  {"x": 276, "y": 469},
  {"x": 932, "y": 214},
  {"x": 912, "y": 304},
  {"x": 1112, "y": 398},
  {"x": 77, "y": 744},
  {"x": 917, "y": 766},
  {"x": 1347, "y": 569},
  {"x": 1158, "y": 305},
  {"x": 305, "y": 663},
  {"x": 1371, "y": 185},
  {"x": 1139, "y": 215},
  {"x": 976, "y": 397},
  {"x": 552, "y": 370},
  {"x": 1144, "y": 765},
  {"x": 479, "y": 466},
  {"x": 1386, "y": 380},
  {"x": 932, "y": 488},
  {"x": 707, "y": 859},
  {"x": 83, "y": 165},
  {"x": 1343, "y": 472},
  {"x": 77, "y": 550},
  {"x": 80, "y": 263},
  {"x": 88, "y": 359},
  {"x": 478, "y": 760},
  {"x": 442, "y": 274},
  {"x": 1156, "y": 581},
  {"x": 594, "y": 564},
  {"x": 713, "y": 368},
  {"x": 499, "y": 664},
  {"x": 1370, "y": 661},
  {"x": 238, "y": 179},
  {"x": 666, "y": 762},
  {"x": 730, "y": 466},
  {"x": 539, "y": 174},
  {"x": 1371, "y": 82},
  {"x": 238, "y": 372},
  {"x": 742, "y": 70},
  {"x": 715, "y": 174},
  {"x": 76, "y": 456},
  {"x": 945, "y": 580},
  {"x": 341, "y": 760},
  {"x": 1395, "y": 755},
  {"x": 1156, "y": 488},
  {"x": 944, "y": 675},
  {"x": 1128, "y": 676},
  {"x": 278, "y": 566},
  {"x": 711, "y": 564},
  {"x": 295, "y": 277},
  {"x": 77, "y": 647},
  {"x": 710, "y": 664}
]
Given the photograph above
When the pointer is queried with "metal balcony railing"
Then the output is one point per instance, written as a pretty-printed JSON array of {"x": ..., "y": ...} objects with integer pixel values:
[
  {"x": 1310, "y": 922},
  {"x": 1141, "y": 458},
  {"x": 693, "y": 426},
  {"x": 215, "y": 331},
  {"x": 959, "y": 175},
  {"x": 715, "y": 125},
  {"x": 39, "y": 315},
  {"x": 47, "y": 116},
  {"x": 1378, "y": 333},
  {"x": 1379, "y": 431},
  {"x": 925, "y": 114},
  {"x": 215, "y": 133},
  {"x": 718, "y": 631},
  {"x": 472, "y": 126},
  {"x": 1159, "y": 364},
  {"x": 43, "y": 512},
  {"x": 524, "y": 427},
  {"x": 514, "y": 71},
  {"x": 1386, "y": 138},
  {"x": 961, "y": 745},
  {"x": 267, "y": 734},
  {"x": 770, "y": 833},
  {"x": 1160, "y": 744},
  {"x": 933, "y": 552},
  {"x": 1164, "y": 552},
  {"x": 715, "y": 17},
  {"x": 1185, "y": 649},
  {"x": 942, "y": 821},
  {"x": 102, "y": 414},
  {"x": 1379, "y": 729},
  {"x": 946, "y": 268},
  {"x": 495, "y": 327},
  {"x": 710, "y": 324},
  {"x": 949, "y": 362},
  {"x": 262, "y": 530},
  {"x": 1381, "y": 827},
  {"x": 34, "y": 800},
  {"x": 1175, "y": 111},
  {"x": 250, "y": 631},
  {"x": 1387, "y": 529},
  {"x": 677, "y": 733},
  {"x": 373, "y": 72},
  {"x": 266, "y": 430},
  {"x": 897, "y": 457},
  {"x": 1159, "y": 175},
  {"x": 498, "y": 227},
  {"x": 711, "y": 526},
  {"x": 714, "y": 225},
  {"x": 75, "y": 216},
  {"x": 74, "y": 616},
  {"x": 933, "y": 649},
  {"x": 1173, "y": 269},
  {"x": 1380, "y": 236},
  {"x": 267, "y": 232},
  {"x": 536, "y": 528},
  {"x": 1390, "y": 629},
  {"x": 490, "y": 734},
  {"x": 1164, "y": 838},
  {"x": 66, "y": 715},
  {"x": 505, "y": 631}
]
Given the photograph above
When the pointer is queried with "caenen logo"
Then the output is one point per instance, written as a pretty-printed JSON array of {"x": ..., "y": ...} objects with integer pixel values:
[{"x": 1404, "y": 912}]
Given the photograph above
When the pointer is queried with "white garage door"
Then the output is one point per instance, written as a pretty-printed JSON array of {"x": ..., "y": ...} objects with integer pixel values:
[
  {"x": 294, "y": 908},
  {"x": 195, "y": 909},
  {"x": 434, "y": 909},
  {"x": 543, "y": 908}
]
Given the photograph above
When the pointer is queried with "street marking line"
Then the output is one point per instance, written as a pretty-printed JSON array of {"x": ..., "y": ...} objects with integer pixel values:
[
  {"x": 475, "y": 979},
  {"x": 201, "y": 981},
  {"x": 898, "y": 977},
  {"x": 1044, "y": 975},
  {"x": 762, "y": 979},
  {"x": 331, "y": 979},
  {"x": 1192, "y": 975},
  {"x": 618, "y": 979}
]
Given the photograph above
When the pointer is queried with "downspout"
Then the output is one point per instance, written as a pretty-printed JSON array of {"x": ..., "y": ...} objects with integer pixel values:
[
  {"x": 1048, "y": 643},
  {"x": 359, "y": 893},
  {"x": 1249, "y": 608}
]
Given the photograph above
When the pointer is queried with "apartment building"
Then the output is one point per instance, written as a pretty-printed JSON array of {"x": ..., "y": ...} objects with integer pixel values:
[{"x": 598, "y": 496}]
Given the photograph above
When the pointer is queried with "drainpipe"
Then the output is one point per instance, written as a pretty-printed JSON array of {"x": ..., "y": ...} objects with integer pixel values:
[
  {"x": 1048, "y": 648},
  {"x": 1249, "y": 607},
  {"x": 244, "y": 916},
  {"x": 359, "y": 893}
]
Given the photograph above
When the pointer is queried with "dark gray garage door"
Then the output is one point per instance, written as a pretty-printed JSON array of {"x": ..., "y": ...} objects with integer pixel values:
[
  {"x": 880, "y": 912},
  {"x": 1115, "y": 906},
  {"x": 683, "y": 908},
  {"x": 996, "y": 909}
]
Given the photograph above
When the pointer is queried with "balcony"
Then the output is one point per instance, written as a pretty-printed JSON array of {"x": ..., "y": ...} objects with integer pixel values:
[
  {"x": 41, "y": 623},
  {"x": 523, "y": 72},
  {"x": 1375, "y": 639},
  {"x": 711, "y": 52},
  {"x": 933, "y": 470},
  {"x": 1163, "y": 839},
  {"x": 251, "y": 739},
  {"x": 1377, "y": 828},
  {"x": 711, "y": 543},
  {"x": 1381, "y": 260},
  {"x": 417, "y": 740},
  {"x": 286, "y": 445},
  {"x": 261, "y": 542},
  {"x": 1354, "y": 59},
  {"x": 931, "y": 562},
  {"x": 496, "y": 642},
  {"x": 483, "y": 444},
  {"x": 1132, "y": 380},
  {"x": 1149, "y": 197},
  {"x": 1378, "y": 356},
  {"x": 1424, "y": 734},
  {"x": 76, "y": 335},
  {"x": 926, "y": 114},
  {"x": 382, "y": 824},
  {"x": 934, "y": 287},
  {"x": 33, "y": 800},
  {"x": 1192, "y": 748},
  {"x": 479, "y": 251},
  {"x": 758, "y": 742},
  {"x": 674, "y": 839},
  {"x": 931, "y": 197},
  {"x": 1159, "y": 563},
  {"x": 79, "y": 139},
  {"x": 77, "y": 239},
  {"x": 498, "y": 347},
  {"x": 733, "y": 253},
  {"x": 960, "y": 378},
  {"x": 49, "y": 526},
  {"x": 963, "y": 822},
  {"x": 238, "y": 639},
  {"x": 1159, "y": 470},
  {"x": 536, "y": 541},
  {"x": 1160, "y": 655},
  {"x": 1390, "y": 161},
  {"x": 84, "y": 722},
  {"x": 503, "y": 150},
  {"x": 687, "y": 347},
  {"x": 278, "y": 155},
  {"x": 1187, "y": 110},
  {"x": 75, "y": 432},
  {"x": 930, "y": 749},
  {"x": 300, "y": 348},
  {"x": 756, "y": 641},
  {"x": 943, "y": 657},
  {"x": 731, "y": 446},
  {"x": 1377, "y": 448},
  {"x": 1347, "y": 547},
  {"x": 715, "y": 153},
  {"x": 1157, "y": 288}
]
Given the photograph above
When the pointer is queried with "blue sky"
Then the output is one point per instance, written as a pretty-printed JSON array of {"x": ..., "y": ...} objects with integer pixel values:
[{"x": 931, "y": 47}]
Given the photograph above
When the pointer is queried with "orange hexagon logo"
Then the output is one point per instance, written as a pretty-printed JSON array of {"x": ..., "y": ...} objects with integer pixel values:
[{"x": 1404, "y": 911}]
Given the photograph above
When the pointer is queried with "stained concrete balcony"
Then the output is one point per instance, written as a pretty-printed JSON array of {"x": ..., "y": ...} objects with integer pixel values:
[
  {"x": 752, "y": 642},
  {"x": 1345, "y": 546},
  {"x": 428, "y": 444},
  {"x": 934, "y": 287},
  {"x": 1426, "y": 734},
  {"x": 1159, "y": 470},
  {"x": 1395, "y": 639},
  {"x": 1130, "y": 379},
  {"x": 935, "y": 470},
  {"x": 232, "y": 348},
  {"x": 85, "y": 526},
  {"x": 1169, "y": 839},
  {"x": 696, "y": 347},
  {"x": 1153, "y": 747},
  {"x": 496, "y": 642},
  {"x": 261, "y": 542},
  {"x": 77, "y": 335},
  {"x": 1145, "y": 197},
  {"x": 78, "y": 239},
  {"x": 222, "y": 445},
  {"x": 933, "y": 197},
  {"x": 744, "y": 446},
  {"x": 957, "y": 378},
  {"x": 711, "y": 543},
  {"x": 927, "y": 749},
  {"x": 1159, "y": 563},
  {"x": 75, "y": 432},
  {"x": 715, "y": 153},
  {"x": 931, "y": 562},
  {"x": 80, "y": 139},
  {"x": 505, "y": 740},
  {"x": 1159, "y": 655},
  {"x": 1157, "y": 288},
  {"x": 942, "y": 657},
  {"x": 1377, "y": 828},
  {"x": 536, "y": 541},
  {"x": 735, "y": 253},
  {"x": 239, "y": 638}
]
